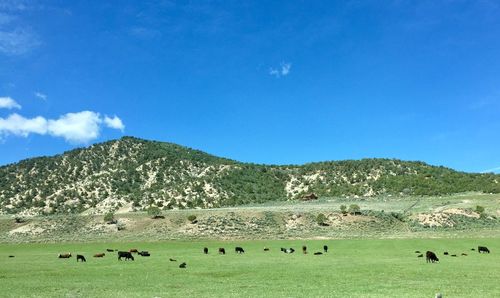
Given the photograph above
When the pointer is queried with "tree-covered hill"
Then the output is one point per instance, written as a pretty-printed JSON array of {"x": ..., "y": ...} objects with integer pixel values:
[{"x": 136, "y": 173}]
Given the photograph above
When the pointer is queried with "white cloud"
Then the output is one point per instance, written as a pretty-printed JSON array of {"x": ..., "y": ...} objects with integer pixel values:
[
  {"x": 282, "y": 71},
  {"x": 20, "y": 126},
  {"x": 41, "y": 95},
  {"x": 79, "y": 128},
  {"x": 114, "y": 122},
  {"x": 8, "y": 103}
]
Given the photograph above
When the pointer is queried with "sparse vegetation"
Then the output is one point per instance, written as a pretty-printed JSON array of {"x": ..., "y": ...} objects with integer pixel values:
[{"x": 142, "y": 173}]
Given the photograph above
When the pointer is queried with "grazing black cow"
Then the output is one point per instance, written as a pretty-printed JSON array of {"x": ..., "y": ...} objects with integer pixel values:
[
  {"x": 304, "y": 249},
  {"x": 483, "y": 249},
  {"x": 464, "y": 254},
  {"x": 420, "y": 256},
  {"x": 288, "y": 250},
  {"x": 80, "y": 258},
  {"x": 417, "y": 251},
  {"x": 183, "y": 265},
  {"x": 453, "y": 255},
  {"x": 144, "y": 253},
  {"x": 325, "y": 248},
  {"x": 431, "y": 257},
  {"x": 266, "y": 248},
  {"x": 239, "y": 250},
  {"x": 11, "y": 256},
  {"x": 99, "y": 255},
  {"x": 445, "y": 253},
  {"x": 472, "y": 249},
  {"x": 222, "y": 251},
  {"x": 205, "y": 250},
  {"x": 172, "y": 260},
  {"x": 125, "y": 254},
  {"x": 64, "y": 256},
  {"x": 110, "y": 250},
  {"x": 318, "y": 253}
]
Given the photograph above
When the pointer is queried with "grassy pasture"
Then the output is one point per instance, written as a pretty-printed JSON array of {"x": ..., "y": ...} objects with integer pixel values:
[{"x": 352, "y": 268}]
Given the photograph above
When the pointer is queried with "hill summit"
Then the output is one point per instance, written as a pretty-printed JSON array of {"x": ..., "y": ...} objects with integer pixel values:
[{"x": 134, "y": 174}]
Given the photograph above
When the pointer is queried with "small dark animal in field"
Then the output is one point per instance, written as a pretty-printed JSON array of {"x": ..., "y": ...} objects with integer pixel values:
[
  {"x": 464, "y": 254},
  {"x": 11, "y": 256},
  {"x": 80, "y": 258},
  {"x": 110, "y": 250},
  {"x": 183, "y": 265},
  {"x": 431, "y": 257},
  {"x": 445, "y": 253},
  {"x": 125, "y": 254},
  {"x": 99, "y": 255},
  {"x": 266, "y": 248},
  {"x": 420, "y": 256},
  {"x": 222, "y": 251},
  {"x": 453, "y": 255},
  {"x": 144, "y": 253},
  {"x": 325, "y": 248},
  {"x": 172, "y": 260},
  {"x": 158, "y": 217},
  {"x": 472, "y": 249},
  {"x": 239, "y": 250},
  {"x": 483, "y": 249},
  {"x": 288, "y": 250},
  {"x": 64, "y": 256},
  {"x": 205, "y": 250},
  {"x": 417, "y": 251},
  {"x": 304, "y": 249},
  {"x": 318, "y": 253},
  {"x": 135, "y": 250}
]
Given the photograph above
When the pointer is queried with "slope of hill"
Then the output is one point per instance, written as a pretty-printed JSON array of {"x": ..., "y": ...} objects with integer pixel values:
[{"x": 131, "y": 173}]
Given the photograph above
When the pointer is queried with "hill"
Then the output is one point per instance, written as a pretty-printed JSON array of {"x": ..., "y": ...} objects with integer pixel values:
[{"x": 132, "y": 174}]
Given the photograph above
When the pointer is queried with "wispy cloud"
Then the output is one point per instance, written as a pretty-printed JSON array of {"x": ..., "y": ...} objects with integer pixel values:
[
  {"x": 40, "y": 95},
  {"x": 493, "y": 170},
  {"x": 8, "y": 103},
  {"x": 144, "y": 33},
  {"x": 114, "y": 122},
  {"x": 16, "y": 37},
  {"x": 78, "y": 128},
  {"x": 282, "y": 71}
]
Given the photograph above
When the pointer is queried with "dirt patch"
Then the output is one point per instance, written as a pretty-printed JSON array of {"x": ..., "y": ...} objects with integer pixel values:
[
  {"x": 27, "y": 229},
  {"x": 464, "y": 212}
]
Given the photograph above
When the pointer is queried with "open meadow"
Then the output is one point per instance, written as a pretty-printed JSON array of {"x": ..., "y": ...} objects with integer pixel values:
[{"x": 351, "y": 268}]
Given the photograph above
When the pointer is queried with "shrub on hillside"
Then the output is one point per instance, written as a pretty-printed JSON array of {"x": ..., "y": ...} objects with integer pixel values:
[
  {"x": 320, "y": 219},
  {"x": 154, "y": 212},
  {"x": 343, "y": 209},
  {"x": 192, "y": 218},
  {"x": 110, "y": 218},
  {"x": 354, "y": 209}
]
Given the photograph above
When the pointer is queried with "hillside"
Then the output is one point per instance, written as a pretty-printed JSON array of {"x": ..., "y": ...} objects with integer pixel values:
[{"x": 134, "y": 174}]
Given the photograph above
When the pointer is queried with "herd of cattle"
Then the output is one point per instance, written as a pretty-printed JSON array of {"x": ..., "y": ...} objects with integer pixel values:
[
  {"x": 128, "y": 255},
  {"x": 431, "y": 257}
]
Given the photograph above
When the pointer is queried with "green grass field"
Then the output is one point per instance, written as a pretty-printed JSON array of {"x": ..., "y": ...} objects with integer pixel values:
[{"x": 352, "y": 268}]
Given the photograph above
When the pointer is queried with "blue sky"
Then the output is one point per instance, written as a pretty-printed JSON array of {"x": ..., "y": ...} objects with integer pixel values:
[{"x": 260, "y": 81}]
